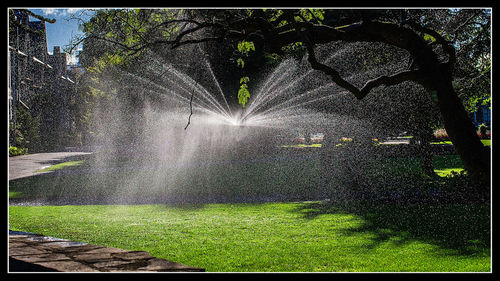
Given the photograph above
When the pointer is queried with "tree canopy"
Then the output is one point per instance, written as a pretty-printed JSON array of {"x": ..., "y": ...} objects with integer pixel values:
[
  {"x": 452, "y": 33},
  {"x": 447, "y": 49}
]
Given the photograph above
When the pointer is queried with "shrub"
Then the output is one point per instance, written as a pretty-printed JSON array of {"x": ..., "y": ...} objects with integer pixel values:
[{"x": 14, "y": 151}]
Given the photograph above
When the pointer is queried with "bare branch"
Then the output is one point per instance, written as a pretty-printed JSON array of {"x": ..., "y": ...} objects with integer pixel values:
[
  {"x": 447, "y": 45},
  {"x": 124, "y": 46},
  {"x": 328, "y": 70},
  {"x": 191, "y": 108},
  {"x": 410, "y": 75},
  {"x": 42, "y": 18},
  {"x": 400, "y": 77},
  {"x": 194, "y": 41},
  {"x": 465, "y": 23}
]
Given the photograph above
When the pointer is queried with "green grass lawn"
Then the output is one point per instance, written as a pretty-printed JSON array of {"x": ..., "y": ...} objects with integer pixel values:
[
  {"x": 276, "y": 237},
  {"x": 271, "y": 178},
  {"x": 280, "y": 237},
  {"x": 228, "y": 180},
  {"x": 444, "y": 165},
  {"x": 61, "y": 166}
]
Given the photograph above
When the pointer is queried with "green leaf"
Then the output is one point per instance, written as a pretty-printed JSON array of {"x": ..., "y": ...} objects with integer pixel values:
[
  {"x": 244, "y": 80},
  {"x": 240, "y": 62},
  {"x": 244, "y": 47},
  {"x": 243, "y": 95},
  {"x": 428, "y": 37}
]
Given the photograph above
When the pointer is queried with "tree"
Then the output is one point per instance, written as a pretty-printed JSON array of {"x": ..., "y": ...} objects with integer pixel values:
[
  {"x": 473, "y": 69},
  {"x": 432, "y": 48}
]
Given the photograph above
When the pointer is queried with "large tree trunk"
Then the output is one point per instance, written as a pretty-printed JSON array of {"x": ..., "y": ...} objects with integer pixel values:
[
  {"x": 461, "y": 131},
  {"x": 427, "y": 70}
]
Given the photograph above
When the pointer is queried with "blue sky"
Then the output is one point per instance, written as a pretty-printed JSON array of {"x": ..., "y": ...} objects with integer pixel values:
[{"x": 65, "y": 28}]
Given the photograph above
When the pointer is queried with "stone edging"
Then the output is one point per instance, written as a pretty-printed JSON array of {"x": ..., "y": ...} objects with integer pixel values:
[{"x": 36, "y": 253}]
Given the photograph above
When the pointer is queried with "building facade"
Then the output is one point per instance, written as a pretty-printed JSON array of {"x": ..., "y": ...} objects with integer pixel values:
[
  {"x": 482, "y": 115},
  {"x": 39, "y": 82}
]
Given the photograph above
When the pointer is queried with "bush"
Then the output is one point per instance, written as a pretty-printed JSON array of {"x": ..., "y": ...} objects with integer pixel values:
[
  {"x": 14, "y": 151},
  {"x": 25, "y": 132}
]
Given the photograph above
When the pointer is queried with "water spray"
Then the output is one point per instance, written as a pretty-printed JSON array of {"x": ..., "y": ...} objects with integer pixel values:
[{"x": 239, "y": 119}]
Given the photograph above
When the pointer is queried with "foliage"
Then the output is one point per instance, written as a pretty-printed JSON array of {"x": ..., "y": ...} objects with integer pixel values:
[
  {"x": 473, "y": 69},
  {"x": 15, "y": 151},
  {"x": 483, "y": 128},
  {"x": 444, "y": 46},
  {"x": 128, "y": 32},
  {"x": 244, "y": 48},
  {"x": 472, "y": 103},
  {"x": 26, "y": 133},
  {"x": 243, "y": 93},
  {"x": 114, "y": 36},
  {"x": 118, "y": 35}
]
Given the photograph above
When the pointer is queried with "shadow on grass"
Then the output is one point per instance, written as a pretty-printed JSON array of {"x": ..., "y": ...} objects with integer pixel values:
[
  {"x": 462, "y": 228},
  {"x": 201, "y": 183}
]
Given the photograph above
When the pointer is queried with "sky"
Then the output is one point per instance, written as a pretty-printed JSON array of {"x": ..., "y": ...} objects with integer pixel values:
[{"x": 65, "y": 28}]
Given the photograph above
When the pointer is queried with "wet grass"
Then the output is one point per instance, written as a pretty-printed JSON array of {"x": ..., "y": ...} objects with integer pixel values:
[
  {"x": 281, "y": 237},
  {"x": 444, "y": 165},
  {"x": 81, "y": 180}
]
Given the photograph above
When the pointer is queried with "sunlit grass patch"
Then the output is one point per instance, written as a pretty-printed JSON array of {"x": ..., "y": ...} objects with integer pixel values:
[
  {"x": 61, "y": 166},
  {"x": 485, "y": 142},
  {"x": 290, "y": 237},
  {"x": 448, "y": 172},
  {"x": 301, "y": 145},
  {"x": 15, "y": 194},
  {"x": 448, "y": 166}
]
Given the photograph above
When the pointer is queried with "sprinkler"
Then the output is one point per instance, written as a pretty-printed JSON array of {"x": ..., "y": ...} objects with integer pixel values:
[{"x": 238, "y": 119}]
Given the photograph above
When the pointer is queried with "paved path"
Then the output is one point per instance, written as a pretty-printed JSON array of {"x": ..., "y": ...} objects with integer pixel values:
[
  {"x": 26, "y": 165},
  {"x": 36, "y": 253}
]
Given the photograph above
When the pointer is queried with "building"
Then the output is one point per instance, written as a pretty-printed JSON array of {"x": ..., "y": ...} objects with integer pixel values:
[
  {"x": 38, "y": 81},
  {"x": 482, "y": 115}
]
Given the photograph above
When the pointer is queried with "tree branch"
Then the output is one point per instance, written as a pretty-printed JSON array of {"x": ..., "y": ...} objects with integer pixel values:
[
  {"x": 191, "y": 108},
  {"x": 326, "y": 69},
  {"x": 410, "y": 75},
  {"x": 42, "y": 18},
  {"x": 446, "y": 45},
  {"x": 400, "y": 77},
  {"x": 194, "y": 41},
  {"x": 466, "y": 22}
]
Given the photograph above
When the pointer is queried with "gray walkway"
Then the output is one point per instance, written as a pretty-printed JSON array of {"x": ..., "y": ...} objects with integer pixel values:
[
  {"x": 35, "y": 253},
  {"x": 27, "y": 165}
]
